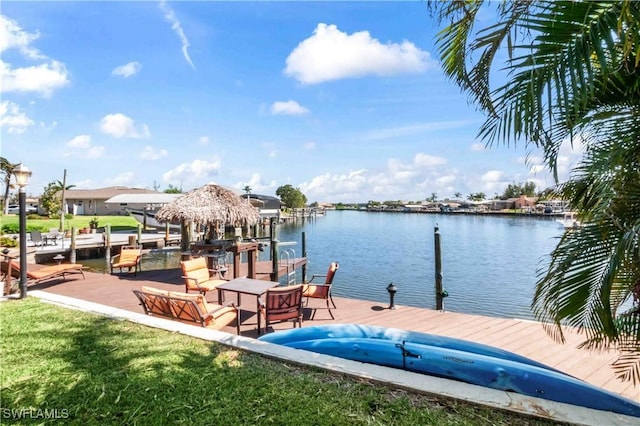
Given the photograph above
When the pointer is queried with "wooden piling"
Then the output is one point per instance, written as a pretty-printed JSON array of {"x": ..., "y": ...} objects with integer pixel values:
[
  {"x": 304, "y": 254},
  {"x": 107, "y": 242},
  {"x": 438, "y": 260},
  {"x": 72, "y": 249}
]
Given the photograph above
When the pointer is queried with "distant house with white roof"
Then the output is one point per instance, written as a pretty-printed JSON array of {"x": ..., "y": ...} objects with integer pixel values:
[{"x": 91, "y": 202}]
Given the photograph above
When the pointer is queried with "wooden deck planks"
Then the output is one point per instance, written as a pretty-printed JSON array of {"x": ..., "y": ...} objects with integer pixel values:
[{"x": 527, "y": 338}]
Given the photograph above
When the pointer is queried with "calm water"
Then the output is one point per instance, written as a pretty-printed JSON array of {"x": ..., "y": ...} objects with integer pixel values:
[{"x": 489, "y": 263}]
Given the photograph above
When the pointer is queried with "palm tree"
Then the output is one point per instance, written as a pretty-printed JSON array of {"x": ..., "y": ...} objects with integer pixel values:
[
  {"x": 247, "y": 190},
  {"x": 457, "y": 195},
  {"x": 572, "y": 74},
  {"x": 6, "y": 168}
]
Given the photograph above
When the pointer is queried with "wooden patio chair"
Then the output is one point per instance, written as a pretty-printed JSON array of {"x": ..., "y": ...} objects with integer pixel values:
[
  {"x": 312, "y": 290},
  {"x": 282, "y": 304},
  {"x": 129, "y": 257},
  {"x": 197, "y": 276}
]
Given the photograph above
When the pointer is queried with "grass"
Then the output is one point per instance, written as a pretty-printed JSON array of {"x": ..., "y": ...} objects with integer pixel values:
[
  {"x": 43, "y": 223},
  {"x": 96, "y": 370}
]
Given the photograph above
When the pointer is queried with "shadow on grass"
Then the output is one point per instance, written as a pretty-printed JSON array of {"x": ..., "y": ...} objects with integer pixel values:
[{"x": 99, "y": 370}]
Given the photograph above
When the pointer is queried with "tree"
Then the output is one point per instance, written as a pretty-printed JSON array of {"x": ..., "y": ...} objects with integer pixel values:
[
  {"x": 173, "y": 190},
  {"x": 457, "y": 195},
  {"x": 291, "y": 197},
  {"x": 514, "y": 190},
  {"x": 571, "y": 74},
  {"x": 247, "y": 190},
  {"x": 433, "y": 198},
  {"x": 6, "y": 168},
  {"x": 50, "y": 199}
]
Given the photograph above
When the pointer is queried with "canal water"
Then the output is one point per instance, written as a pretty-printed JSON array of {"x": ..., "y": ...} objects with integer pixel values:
[{"x": 489, "y": 263}]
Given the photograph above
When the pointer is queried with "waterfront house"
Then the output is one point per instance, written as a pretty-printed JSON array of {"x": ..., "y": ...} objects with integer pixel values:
[{"x": 90, "y": 202}]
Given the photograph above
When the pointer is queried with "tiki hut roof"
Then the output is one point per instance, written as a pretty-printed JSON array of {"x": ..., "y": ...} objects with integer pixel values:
[{"x": 210, "y": 204}]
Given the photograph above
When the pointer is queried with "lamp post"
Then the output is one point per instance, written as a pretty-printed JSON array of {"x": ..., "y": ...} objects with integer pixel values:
[{"x": 22, "y": 174}]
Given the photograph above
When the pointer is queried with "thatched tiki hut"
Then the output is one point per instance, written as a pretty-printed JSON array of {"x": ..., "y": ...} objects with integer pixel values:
[{"x": 212, "y": 206}]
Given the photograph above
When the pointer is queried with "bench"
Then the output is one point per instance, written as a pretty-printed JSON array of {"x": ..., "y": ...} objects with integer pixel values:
[{"x": 188, "y": 308}]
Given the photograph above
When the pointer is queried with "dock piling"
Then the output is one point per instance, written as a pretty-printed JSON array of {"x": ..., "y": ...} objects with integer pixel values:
[{"x": 438, "y": 260}]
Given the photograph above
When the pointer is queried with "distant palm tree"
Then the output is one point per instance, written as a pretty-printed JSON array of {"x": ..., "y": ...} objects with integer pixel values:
[
  {"x": 6, "y": 168},
  {"x": 247, "y": 190},
  {"x": 457, "y": 195}
]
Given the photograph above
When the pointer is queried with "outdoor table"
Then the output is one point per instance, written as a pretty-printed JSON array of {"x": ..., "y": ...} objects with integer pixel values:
[{"x": 248, "y": 286}]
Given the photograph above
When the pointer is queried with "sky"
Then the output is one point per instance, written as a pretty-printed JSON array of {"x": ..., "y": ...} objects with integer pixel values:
[{"x": 344, "y": 100}]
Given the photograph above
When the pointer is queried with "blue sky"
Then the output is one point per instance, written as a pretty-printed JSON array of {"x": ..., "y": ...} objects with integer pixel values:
[{"x": 344, "y": 100}]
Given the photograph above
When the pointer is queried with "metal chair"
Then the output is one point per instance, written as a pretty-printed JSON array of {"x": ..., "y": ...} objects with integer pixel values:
[
  {"x": 36, "y": 238},
  {"x": 282, "y": 304},
  {"x": 312, "y": 290}
]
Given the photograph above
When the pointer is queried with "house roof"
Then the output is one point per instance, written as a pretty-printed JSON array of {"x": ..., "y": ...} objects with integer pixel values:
[
  {"x": 105, "y": 193},
  {"x": 154, "y": 198}
]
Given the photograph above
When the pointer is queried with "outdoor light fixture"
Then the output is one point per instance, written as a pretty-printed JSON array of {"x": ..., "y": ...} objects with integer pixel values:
[
  {"x": 22, "y": 174},
  {"x": 391, "y": 288}
]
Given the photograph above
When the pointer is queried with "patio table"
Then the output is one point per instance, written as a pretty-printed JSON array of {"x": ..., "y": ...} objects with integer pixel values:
[{"x": 248, "y": 286}]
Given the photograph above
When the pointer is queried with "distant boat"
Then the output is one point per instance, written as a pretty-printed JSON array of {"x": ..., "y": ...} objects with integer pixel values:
[
  {"x": 452, "y": 358},
  {"x": 569, "y": 221}
]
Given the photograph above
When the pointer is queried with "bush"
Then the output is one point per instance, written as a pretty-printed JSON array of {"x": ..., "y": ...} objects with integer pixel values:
[
  {"x": 8, "y": 242},
  {"x": 10, "y": 228}
]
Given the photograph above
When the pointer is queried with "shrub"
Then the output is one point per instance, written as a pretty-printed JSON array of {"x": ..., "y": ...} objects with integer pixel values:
[
  {"x": 8, "y": 242},
  {"x": 10, "y": 228}
]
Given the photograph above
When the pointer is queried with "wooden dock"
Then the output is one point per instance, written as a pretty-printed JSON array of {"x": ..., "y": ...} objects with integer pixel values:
[{"x": 524, "y": 337}]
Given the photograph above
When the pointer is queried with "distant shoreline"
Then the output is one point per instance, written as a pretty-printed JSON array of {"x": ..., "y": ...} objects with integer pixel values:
[{"x": 466, "y": 212}]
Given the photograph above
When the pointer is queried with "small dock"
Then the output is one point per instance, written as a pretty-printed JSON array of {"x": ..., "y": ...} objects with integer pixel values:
[{"x": 524, "y": 337}]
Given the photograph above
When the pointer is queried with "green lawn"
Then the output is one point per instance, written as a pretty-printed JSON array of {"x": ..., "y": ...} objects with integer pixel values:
[
  {"x": 95, "y": 370},
  {"x": 43, "y": 223}
]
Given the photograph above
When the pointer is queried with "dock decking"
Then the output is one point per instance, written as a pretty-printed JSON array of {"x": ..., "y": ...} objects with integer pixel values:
[{"x": 524, "y": 337}]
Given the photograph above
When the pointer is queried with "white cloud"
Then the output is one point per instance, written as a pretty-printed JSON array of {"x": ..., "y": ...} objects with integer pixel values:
[
  {"x": 330, "y": 54},
  {"x": 43, "y": 78},
  {"x": 95, "y": 152},
  {"x": 84, "y": 148},
  {"x": 195, "y": 171},
  {"x": 203, "y": 140},
  {"x": 396, "y": 132},
  {"x": 120, "y": 126},
  {"x": 288, "y": 108},
  {"x": 81, "y": 141},
  {"x": 176, "y": 26},
  {"x": 149, "y": 153},
  {"x": 425, "y": 160},
  {"x": 493, "y": 176},
  {"x": 122, "y": 179},
  {"x": 478, "y": 147},
  {"x": 13, "y": 119},
  {"x": 257, "y": 185},
  {"x": 12, "y": 36},
  {"x": 127, "y": 70}
]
